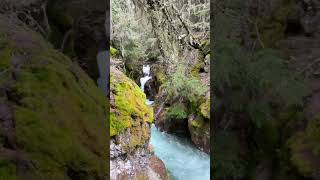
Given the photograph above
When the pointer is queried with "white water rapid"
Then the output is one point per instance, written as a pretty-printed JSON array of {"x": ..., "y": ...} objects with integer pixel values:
[
  {"x": 182, "y": 159},
  {"x": 145, "y": 79}
]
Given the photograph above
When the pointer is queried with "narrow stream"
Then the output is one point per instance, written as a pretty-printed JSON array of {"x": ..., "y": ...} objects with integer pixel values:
[{"x": 182, "y": 159}]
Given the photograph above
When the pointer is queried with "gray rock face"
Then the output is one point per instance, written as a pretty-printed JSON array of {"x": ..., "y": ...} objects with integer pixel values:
[
  {"x": 131, "y": 163},
  {"x": 128, "y": 165},
  {"x": 310, "y": 19}
]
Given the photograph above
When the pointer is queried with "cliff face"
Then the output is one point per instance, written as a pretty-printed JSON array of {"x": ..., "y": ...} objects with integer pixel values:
[
  {"x": 187, "y": 112},
  {"x": 52, "y": 115},
  {"x": 131, "y": 156}
]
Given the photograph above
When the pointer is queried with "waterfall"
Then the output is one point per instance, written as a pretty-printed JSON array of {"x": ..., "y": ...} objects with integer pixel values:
[
  {"x": 146, "y": 70},
  {"x": 145, "y": 79}
]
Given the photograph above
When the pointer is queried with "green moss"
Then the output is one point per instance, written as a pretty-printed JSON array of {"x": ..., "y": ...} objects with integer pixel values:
[
  {"x": 200, "y": 62},
  {"x": 130, "y": 107},
  {"x": 7, "y": 170},
  {"x": 113, "y": 52},
  {"x": 270, "y": 31},
  {"x": 205, "y": 109},
  {"x": 272, "y": 28},
  {"x": 6, "y": 52},
  {"x": 59, "y": 113},
  {"x": 160, "y": 76},
  {"x": 198, "y": 66},
  {"x": 5, "y": 58},
  {"x": 198, "y": 123},
  {"x": 139, "y": 135},
  {"x": 205, "y": 47},
  {"x": 305, "y": 149}
]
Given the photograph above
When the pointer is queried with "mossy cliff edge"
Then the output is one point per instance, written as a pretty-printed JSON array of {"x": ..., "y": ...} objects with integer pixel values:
[
  {"x": 131, "y": 155},
  {"x": 128, "y": 104},
  {"x": 53, "y": 117}
]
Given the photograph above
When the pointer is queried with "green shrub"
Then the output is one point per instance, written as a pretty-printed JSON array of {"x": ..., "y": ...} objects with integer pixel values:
[
  {"x": 184, "y": 86},
  {"x": 177, "y": 111}
]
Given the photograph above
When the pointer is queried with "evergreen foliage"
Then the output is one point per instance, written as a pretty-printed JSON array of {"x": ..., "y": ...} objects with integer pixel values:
[
  {"x": 184, "y": 86},
  {"x": 178, "y": 111},
  {"x": 228, "y": 164},
  {"x": 257, "y": 88},
  {"x": 259, "y": 84},
  {"x": 131, "y": 32}
]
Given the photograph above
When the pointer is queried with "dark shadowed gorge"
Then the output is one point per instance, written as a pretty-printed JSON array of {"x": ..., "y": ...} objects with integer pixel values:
[{"x": 266, "y": 90}]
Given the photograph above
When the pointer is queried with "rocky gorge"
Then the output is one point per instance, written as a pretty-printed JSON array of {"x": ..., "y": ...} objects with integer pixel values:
[{"x": 172, "y": 70}]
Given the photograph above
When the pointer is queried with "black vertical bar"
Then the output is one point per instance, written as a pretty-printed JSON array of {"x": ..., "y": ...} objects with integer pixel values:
[
  {"x": 212, "y": 101},
  {"x": 108, "y": 37}
]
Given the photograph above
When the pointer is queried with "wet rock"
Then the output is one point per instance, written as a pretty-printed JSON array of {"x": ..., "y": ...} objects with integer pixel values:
[
  {"x": 200, "y": 132},
  {"x": 139, "y": 162},
  {"x": 158, "y": 167}
]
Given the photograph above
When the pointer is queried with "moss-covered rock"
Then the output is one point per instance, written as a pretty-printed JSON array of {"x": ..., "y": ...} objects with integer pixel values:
[
  {"x": 199, "y": 65},
  {"x": 205, "y": 109},
  {"x": 160, "y": 76},
  {"x": 272, "y": 27},
  {"x": 114, "y": 52},
  {"x": 200, "y": 132},
  {"x": 54, "y": 116},
  {"x": 305, "y": 150},
  {"x": 130, "y": 154},
  {"x": 128, "y": 107}
]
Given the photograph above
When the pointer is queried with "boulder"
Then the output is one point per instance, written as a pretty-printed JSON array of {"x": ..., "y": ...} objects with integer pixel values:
[
  {"x": 130, "y": 154},
  {"x": 53, "y": 116}
]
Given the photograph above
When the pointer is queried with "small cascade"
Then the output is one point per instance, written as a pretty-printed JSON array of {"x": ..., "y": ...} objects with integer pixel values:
[{"x": 145, "y": 79}]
